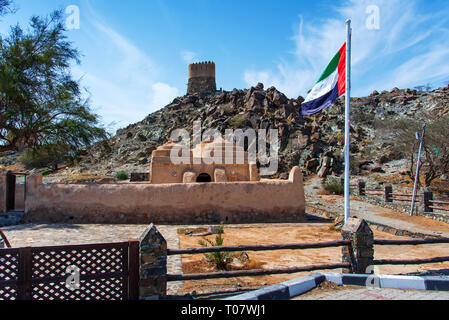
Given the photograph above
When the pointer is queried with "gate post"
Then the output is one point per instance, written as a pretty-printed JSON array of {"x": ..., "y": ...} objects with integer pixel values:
[
  {"x": 360, "y": 253},
  {"x": 153, "y": 265},
  {"x": 3, "y": 191}
]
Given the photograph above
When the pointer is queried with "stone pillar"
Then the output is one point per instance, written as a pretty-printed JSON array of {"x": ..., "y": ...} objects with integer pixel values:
[
  {"x": 253, "y": 172},
  {"x": 220, "y": 175},
  {"x": 153, "y": 265},
  {"x": 362, "y": 188},
  {"x": 388, "y": 193},
  {"x": 360, "y": 254},
  {"x": 426, "y": 198},
  {"x": 189, "y": 177}
]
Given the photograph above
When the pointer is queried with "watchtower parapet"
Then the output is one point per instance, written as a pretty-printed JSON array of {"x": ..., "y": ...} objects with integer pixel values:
[{"x": 202, "y": 78}]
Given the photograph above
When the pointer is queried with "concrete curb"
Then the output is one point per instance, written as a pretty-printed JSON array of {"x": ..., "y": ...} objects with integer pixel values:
[
  {"x": 284, "y": 290},
  {"x": 293, "y": 288}
]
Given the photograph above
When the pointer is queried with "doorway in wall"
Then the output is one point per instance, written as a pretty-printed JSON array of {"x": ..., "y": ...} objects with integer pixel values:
[
  {"x": 15, "y": 191},
  {"x": 204, "y": 178}
]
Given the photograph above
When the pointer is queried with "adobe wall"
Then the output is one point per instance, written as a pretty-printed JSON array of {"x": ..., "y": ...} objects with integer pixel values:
[
  {"x": 140, "y": 203},
  {"x": 165, "y": 172},
  {"x": 3, "y": 192},
  {"x": 202, "y": 70}
]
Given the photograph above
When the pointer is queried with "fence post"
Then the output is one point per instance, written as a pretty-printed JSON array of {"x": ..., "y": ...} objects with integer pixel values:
[
  {"x": 360, "y": 254},
  {"x": 362, "y": 188},
  {"x": 153, "y": 265},
  {"x": 388, "y": 193},
  {"x": 24, "y": 274},
  {"x": 427, "y": 197}
]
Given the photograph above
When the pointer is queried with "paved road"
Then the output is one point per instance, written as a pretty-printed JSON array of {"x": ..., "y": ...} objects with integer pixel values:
[{"x": 357, "y": 293}]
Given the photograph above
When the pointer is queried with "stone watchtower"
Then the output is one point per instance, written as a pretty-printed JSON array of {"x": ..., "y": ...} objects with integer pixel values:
[{"x": 202, "y": 78}]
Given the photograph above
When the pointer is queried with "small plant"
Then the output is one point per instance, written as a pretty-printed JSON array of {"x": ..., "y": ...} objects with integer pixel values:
[
  {"x": 334, "y": 185},
  {"x": 46, "y": 172},
  {"x": 220, "y": 259},
  {"x": 121, "y": 175}
]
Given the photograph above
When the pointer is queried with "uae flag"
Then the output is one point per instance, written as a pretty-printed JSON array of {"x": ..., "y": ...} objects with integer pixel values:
[{"x": 330, "y": 86}]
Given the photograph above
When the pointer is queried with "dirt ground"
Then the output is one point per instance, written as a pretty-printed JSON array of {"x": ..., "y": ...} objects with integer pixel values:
[{"x": 301, "y": 233}]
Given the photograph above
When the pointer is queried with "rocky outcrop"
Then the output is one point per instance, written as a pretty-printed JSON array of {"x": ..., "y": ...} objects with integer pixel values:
[{"x": 313, "y": 143}]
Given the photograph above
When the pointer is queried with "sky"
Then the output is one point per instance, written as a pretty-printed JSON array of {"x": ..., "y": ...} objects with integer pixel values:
[{"x": 135, "y": 54}]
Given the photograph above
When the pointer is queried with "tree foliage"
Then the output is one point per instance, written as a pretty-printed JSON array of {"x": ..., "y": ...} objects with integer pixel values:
[
  {"x": 41, "y": 105},
  {"x": 5, "y": 7},
  {"x": 435, "y": 154}
]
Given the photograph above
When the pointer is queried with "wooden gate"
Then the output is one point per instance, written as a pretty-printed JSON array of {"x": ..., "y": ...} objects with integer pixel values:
[{"x": 107, "y": 271}]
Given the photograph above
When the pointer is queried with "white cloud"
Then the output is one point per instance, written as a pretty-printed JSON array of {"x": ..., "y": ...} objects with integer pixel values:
[
  {"x": 163, "y": 94},
  {"x": 125, "y": 85},
  {"x": 403, "y": 31},
  {"x": 188, "y": 56}
]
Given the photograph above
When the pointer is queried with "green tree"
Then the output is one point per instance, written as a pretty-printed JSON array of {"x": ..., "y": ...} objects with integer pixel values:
[
  {"x": 41, "y": 105},
  {"x": 5, "y": 7}
]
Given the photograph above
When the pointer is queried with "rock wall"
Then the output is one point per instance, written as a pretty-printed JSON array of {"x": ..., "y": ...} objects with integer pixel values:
[{"x": 239, "y": 202}]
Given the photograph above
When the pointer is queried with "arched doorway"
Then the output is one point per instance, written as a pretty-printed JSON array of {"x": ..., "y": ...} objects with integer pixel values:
[{"x": 204, "y": 178}]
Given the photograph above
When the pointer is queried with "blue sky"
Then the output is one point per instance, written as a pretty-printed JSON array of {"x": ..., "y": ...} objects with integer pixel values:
[{"x": 136, "y": 53}]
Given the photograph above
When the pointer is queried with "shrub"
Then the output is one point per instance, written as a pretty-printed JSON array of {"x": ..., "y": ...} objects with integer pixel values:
[
  {"x": 220, "y": 259},
  {"x": 48, "y": 156},
  {"x": 334, "y": 185},
  {"x": 121, "y": 175},
  {"x": 238, "y": 121}
]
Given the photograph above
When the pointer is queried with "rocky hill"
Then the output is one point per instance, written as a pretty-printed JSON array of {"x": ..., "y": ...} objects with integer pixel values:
[{"x": 314, "y": 143}]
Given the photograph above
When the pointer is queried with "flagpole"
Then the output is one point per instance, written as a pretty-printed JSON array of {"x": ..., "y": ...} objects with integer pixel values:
[{"x": 347, "y": 120}]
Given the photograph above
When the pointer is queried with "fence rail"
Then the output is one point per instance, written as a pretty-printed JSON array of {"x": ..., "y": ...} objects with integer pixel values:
[
  {"x": 412, "y": 242},
  {"x": 261, "y": 272},
  {"x": 257, "y": 272},
  {"x": 408, "y": 243},
  {"x": 268, "y": 247},
  {"x": 439, "y": 202},
  {"x": 411, "y": 261},
  {"x": 426, "y": 201}
]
